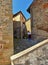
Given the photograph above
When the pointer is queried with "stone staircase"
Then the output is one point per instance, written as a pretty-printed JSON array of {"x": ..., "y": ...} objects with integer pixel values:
[
  {"x": 22, "y": 44},
  {"x": 35, "y": 55}
]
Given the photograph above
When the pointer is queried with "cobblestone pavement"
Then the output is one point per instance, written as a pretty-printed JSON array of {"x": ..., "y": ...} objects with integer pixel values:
[{"x": 20, "y": 45}]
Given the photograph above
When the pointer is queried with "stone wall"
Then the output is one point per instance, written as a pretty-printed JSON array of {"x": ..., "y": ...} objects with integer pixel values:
[
  {"x": 17, "y": 29},
  {"x": 6, "y": 32},
  {"x": 38, "y": 56},
  {"x": 18, "y": 26},
  {"x": 39, "y": 16}
]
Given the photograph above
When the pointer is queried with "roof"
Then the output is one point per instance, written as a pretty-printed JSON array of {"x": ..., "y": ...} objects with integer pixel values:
[
  {"x": 29, "y": 7},
  {"x": 19, "y": 13}
]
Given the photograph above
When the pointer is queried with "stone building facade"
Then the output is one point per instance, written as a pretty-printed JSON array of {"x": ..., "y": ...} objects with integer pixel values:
[
  {"x": 39, "y": 18},
  {"x": 19, "y": 25},
  {"x": 6, "y": 32}
]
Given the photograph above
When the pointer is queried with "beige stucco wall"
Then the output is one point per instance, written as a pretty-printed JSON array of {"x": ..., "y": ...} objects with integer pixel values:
[
  {"x": 19, "y": 17},
  {"x": 28, "y": 25},
  {"x": 22, "y": 17},
  {"x": 16, "y": 18}
]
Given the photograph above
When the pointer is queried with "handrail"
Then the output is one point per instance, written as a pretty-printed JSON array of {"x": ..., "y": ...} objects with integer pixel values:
[{"x": 28, "y": 50}]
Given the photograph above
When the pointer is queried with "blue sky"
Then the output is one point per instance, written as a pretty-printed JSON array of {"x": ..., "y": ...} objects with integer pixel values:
[{"x": 21, "y": 5}]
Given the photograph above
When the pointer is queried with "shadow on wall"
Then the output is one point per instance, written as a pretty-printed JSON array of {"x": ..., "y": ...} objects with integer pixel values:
[{"x": 20, "y": 30}]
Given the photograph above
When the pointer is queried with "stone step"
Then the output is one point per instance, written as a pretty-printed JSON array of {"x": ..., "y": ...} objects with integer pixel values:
[{"x": 20, "y": 45}]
